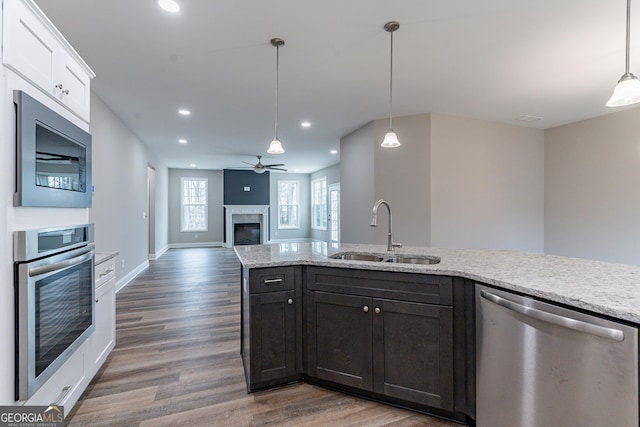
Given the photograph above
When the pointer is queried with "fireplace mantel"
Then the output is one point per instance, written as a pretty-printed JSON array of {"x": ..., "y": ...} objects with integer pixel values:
[{"x": 234, "y": 213}]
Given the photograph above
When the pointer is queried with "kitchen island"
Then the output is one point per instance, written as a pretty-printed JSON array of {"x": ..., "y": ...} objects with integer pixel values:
[{"x": 400, "y": 332}]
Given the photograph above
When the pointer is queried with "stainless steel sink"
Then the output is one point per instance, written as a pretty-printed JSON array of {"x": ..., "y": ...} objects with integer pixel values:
[
  {"x": 358, "y": 257},
  {"x": 402, "y": 259},
  {"x": 399, "y": 259}
]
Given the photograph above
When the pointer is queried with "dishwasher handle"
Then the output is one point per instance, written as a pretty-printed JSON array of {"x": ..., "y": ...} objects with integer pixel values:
[{"x": 565, "y": 322}]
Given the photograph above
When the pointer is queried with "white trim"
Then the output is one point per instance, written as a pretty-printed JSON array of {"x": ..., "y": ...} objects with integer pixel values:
[
  {"x": 196, "y": 245},
  {"x": 131, "y": 275},
  {"x": 153, "y": 257},
  {"x": 297, "y": 204},
  {"x": 206, "y": 204},
  {"x": 231, "y": 210}
]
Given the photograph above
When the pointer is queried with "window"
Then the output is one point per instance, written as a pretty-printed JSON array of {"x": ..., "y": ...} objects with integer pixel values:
[
  {"x": 288, "y": 201},
  {"x": 319, "y": 204},
  {"x": 193, "y": 204}
]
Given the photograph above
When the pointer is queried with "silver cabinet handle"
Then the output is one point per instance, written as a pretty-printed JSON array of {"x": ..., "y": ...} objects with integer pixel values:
[
  {"x": 272, "y": 281},
  {"x": 376, "y": 310},
  {"x": 62, "y": 395},
  {"x": 365, "y": 309},
  {"x": 65, "y": 91},
  {"x": 289, "y": 301},
  {"x": 106, "y": 273},
  {"x": 565, "y": 322}
]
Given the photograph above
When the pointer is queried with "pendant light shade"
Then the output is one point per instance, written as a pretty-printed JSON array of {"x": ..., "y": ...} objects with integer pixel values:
[
  {"x": 390, "y": 138},
  {"x": 276, "y": 146},
  {"x": 627, "y": 91}
]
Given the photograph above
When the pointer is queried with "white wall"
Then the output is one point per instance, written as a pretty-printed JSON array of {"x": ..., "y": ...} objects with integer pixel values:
[
  {"x": 120, "y": 162},
  {"x": 357, "y": 184},
  {"x": 402, "y": 177},
  {"x": 304, "y": 207},
  {"x": 487, "y": 185},
  {"x": 592, "y": 188}
]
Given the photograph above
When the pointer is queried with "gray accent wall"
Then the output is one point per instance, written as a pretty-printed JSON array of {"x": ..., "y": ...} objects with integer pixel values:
[
  {"x": 592, "y": 188},
  {"x": 214, "y": 235},
  {"x": 235, "y": 182}
]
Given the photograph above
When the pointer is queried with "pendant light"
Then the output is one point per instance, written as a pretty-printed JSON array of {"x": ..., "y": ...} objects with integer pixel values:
[
  {"x": 627, "y": 91},
  {"x": 390, "y": 138},
  {"x": 276, "y": 146}
]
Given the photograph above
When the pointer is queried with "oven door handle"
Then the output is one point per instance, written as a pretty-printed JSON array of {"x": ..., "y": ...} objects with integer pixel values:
[{"x": 84, "y": 256}]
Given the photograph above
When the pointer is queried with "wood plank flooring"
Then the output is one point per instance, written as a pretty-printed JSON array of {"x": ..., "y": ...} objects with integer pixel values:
[{"x": 177, "y": 360}]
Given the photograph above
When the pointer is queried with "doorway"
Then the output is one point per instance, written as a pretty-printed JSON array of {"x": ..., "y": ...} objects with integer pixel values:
[
  {"x": 334, "y": 214},
  {"x": 151, "y": 209}
]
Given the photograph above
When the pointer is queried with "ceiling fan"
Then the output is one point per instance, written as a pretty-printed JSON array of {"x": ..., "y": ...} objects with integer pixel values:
[{"x": 261, "y": 168}]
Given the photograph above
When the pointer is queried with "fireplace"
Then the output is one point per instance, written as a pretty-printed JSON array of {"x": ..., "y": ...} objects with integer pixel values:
[
  {"x": 246, "y": 233},
  {"x": 246, "y": 225}
]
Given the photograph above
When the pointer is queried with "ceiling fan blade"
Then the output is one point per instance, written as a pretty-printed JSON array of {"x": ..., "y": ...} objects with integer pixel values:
[
  {"x": 277, "y": 169},
  {"x": 250, "y": 164},
  {"x": 274, "y": 165}
]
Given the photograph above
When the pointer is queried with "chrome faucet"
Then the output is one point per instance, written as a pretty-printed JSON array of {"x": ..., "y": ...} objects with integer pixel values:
[{"x": 374, "y": 222}]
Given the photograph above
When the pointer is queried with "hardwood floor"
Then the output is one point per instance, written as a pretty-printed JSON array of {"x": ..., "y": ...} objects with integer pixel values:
[{"x": 177, "y": 360}]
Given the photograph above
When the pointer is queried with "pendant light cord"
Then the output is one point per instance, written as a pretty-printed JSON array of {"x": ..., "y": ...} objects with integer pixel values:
[
  {"x": 391, "y": 84},
  {"x": 277, "y": 78},
  {"x": 628, "y": 36}
]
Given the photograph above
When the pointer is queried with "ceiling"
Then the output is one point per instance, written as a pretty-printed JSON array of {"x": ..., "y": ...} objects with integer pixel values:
[{"x": 494, "y": 60}]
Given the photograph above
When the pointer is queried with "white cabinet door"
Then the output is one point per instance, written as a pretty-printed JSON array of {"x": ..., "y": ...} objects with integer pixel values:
[
  {"x": 103, "y": 339},
  {"x": 35, "y": 50}
]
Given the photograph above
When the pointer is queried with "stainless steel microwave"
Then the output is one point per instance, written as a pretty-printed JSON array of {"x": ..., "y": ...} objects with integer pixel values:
[{"x": 53, "y": 158}]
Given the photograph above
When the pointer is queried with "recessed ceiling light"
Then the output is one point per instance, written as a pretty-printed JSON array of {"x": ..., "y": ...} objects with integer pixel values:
[
  {"x": 334, "y": 151},
  {"x": 182, "y": 141},
  {"x": 169, "y": 5},
  {"x": 305, "y": 124},
  {"x": 192, "y": 165},
  {"x": 184, "y": 112}
]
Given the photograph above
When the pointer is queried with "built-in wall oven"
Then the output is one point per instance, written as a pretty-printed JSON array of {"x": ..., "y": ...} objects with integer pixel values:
[{"x": 55, "y": 309}]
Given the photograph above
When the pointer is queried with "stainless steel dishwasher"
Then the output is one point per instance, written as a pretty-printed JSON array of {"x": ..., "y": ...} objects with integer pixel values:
[{"x": 540, "y": 365}]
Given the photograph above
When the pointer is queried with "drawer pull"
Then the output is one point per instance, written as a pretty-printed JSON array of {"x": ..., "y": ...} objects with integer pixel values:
[
  {"x": 365, "y": 309},
  {"x": 272, "y": 281},
  {"x": 106, "y": 273},
  {"x": 376, "y": 310},
  {"x": 289, "y": 301},
  {"x": 63, "y": 394}
]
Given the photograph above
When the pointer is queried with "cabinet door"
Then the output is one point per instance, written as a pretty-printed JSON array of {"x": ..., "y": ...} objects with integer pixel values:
[
  {"x": 413, "y": 352},
  {"x": 273, "y": 335},
  {"x": 104, "y": 337},
  {"x": 339, "y": 339}
]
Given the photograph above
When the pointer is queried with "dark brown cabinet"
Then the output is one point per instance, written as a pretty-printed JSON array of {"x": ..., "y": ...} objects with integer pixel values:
[
  {"x": 393, "y": 347},
  {"x": 272, "y": 311}
]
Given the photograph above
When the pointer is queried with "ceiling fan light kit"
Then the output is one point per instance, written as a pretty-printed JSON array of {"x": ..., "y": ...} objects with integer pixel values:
[
  {"x": 262, "y": 168},
  {"x": 627, "y": 91},
  {"x": 390, "y": 138},
  {"x": 276, "y": 146}
]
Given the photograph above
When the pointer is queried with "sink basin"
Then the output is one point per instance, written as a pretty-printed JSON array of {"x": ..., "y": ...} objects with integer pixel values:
[
  {"x": 401, "y": 259},
  {"x": 358, "y": 257}
]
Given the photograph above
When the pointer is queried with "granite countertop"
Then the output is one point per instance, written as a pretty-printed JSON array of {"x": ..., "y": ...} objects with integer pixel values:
[
  {"x": 606, "y": 288},
  {"x": 101, "y": 257}
]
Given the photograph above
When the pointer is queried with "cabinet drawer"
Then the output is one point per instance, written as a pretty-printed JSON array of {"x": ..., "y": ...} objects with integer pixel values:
[
  {"x": 271, "y": 279},
  {"x": 422, "y": 288},
  {"x": 105, "y": 271}
]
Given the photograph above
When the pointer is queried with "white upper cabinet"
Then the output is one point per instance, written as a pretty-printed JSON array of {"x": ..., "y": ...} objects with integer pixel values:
[{"x": 37, "y": 51}]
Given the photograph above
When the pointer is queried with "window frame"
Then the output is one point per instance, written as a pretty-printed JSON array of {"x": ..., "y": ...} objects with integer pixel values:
[
  {"x": 183, "y": 229},
  {"x": 296, "y": 204},
  {"x": 323, "y": 203}
]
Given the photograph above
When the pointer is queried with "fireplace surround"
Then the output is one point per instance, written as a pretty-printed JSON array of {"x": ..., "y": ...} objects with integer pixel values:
[{"x": 246, "y": 214}]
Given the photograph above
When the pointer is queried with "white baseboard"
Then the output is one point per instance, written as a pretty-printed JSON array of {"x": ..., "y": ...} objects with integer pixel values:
[
  {"x": 196, "y": 245},
  {"x": 153, "y": 257},
  {"x": 131, "y": 275}
]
